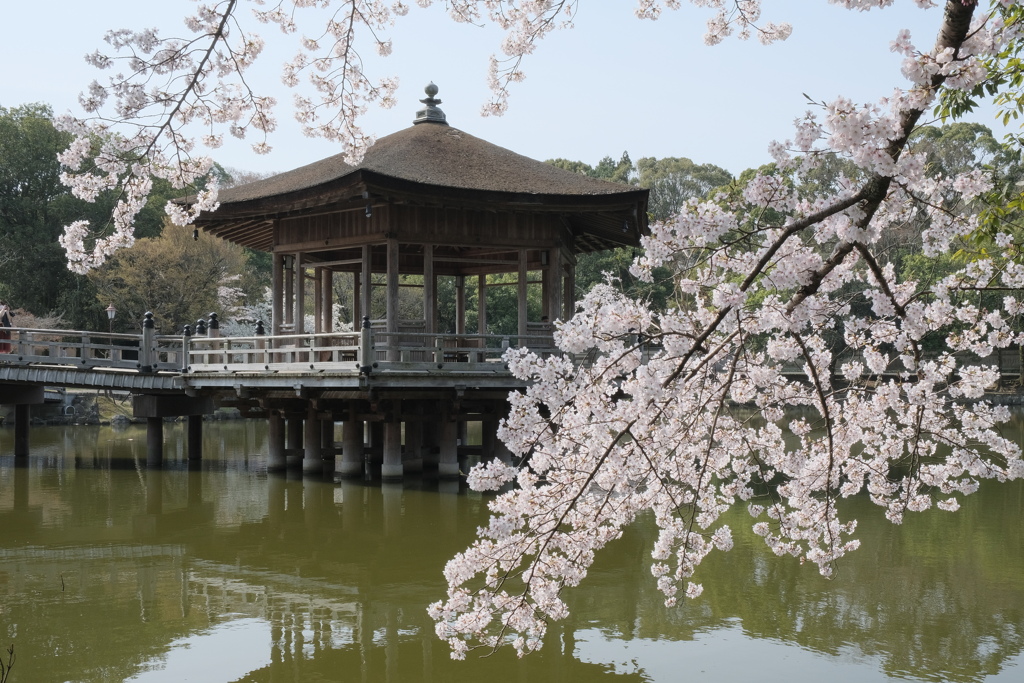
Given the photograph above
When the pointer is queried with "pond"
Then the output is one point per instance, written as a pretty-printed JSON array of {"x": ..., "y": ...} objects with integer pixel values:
[{"x": 110, "y": 572}]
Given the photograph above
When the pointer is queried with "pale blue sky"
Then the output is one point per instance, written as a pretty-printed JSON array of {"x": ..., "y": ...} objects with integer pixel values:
[{"x": 612, "y": 84}]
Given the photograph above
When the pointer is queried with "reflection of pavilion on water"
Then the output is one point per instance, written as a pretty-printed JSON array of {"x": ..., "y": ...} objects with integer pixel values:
[{"x": 428, "y": 206}]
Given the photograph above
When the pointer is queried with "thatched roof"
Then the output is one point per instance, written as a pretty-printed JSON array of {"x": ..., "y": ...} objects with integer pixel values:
[
  {"x": 438, "y": 155},
  {"x": 434, "y": 164}
]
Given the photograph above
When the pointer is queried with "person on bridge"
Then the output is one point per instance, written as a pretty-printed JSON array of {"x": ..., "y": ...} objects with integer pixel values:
[{"x": 5, "y": 324}]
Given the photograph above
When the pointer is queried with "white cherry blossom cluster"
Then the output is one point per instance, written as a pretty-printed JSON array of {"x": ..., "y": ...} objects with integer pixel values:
[{"x": 791, "y": 374}]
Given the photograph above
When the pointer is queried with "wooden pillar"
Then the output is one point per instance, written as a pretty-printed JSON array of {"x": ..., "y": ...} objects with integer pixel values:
[
  {"x": 481, "y": 315},
  {"x": 195, "y": 437},
  {"x": 350, "y": 464},
  {"x": 448, "y": 458},
  {"x": 460, "y": 304},
  {"x": 154, "y": 442},
  {"x": 521, "y": 294},
  {"x": 392, "y": 466},
  {"x": 569, "y": 297},
  {"x": 277, "y": 295},
  {"x": 276, "y": 459},
  {"x": 300, "y": 295},
  {"x": 392, "y": 298},
  {"x": 553, "y": 282},
  {"x": 357, "y": 299},
  {"x": 293, "y": 450},
  {"x": 312, "y": 460},
  {"x": 327, "y": 299},
  {"x": 366, "y": 276},
  {"x": 288, "y": 290},
  {"x": 22, "y": 423},
  {"x": 429, "y": 290},
  {"x": 318, "y": 301}
]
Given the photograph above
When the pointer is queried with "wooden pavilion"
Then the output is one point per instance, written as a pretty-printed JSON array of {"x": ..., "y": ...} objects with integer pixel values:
[
  {"x": 425, "y": 203},
  {"x": 430, "y": 201}
]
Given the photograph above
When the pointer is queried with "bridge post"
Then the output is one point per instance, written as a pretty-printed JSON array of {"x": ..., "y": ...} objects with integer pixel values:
[
  {"x": 154, "y": 442},
  {"x": 213, "y": 332},
  {"x": 312, "y": 457},
  {"x": 146, "y": 360},
  {"x": 366, "y": 347},
  {"x": 448, "y": 459},
  {"x": 186, "y": 346},
  {"x": 276, "y": 459},
  {"x": 391, "y": 469},
  {"x": 350, "y": 464}
]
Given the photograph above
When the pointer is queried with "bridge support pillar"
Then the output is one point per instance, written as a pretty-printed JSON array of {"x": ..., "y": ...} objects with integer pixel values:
[
  {"x": 195, "y": 437},
  {"x": 412, "y": 461},
  {"x": 448, "y": 459},
  {"x": 21, "y": 397},
  {"x": 276, "y": 460},
  {"x": 392, "y": 466},
  {"x": 154, "y": 442},
  {"x": 350, "y": 464},
  {"x": 22, "y": 422},
  {"x": 293, "y": 450},
  {"x": 312, "y": 457}
]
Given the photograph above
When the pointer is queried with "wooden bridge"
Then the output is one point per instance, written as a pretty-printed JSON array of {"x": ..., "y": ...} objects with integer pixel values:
[{"x": 425, "y": 386}]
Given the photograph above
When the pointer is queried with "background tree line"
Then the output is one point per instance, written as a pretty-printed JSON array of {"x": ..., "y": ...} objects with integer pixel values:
[{"x": 182, "y": 279}]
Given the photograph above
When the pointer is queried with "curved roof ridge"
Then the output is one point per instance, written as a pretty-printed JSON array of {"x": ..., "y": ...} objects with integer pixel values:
[{"x": 440, "y": 156}]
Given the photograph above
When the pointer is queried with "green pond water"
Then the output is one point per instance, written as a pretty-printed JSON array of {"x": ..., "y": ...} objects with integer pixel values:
[{"x": 110, "y": 572}]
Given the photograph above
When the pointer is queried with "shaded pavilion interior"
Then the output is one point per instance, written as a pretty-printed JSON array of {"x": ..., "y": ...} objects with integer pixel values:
[{"x": 426, "y": 202}]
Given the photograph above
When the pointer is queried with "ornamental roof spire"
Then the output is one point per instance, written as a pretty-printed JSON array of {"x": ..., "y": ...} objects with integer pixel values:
[{"x": 430, "y": 113}]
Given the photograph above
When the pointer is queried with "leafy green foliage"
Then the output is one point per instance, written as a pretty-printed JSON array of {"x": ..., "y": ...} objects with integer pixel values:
[
  {"x": 35, "y": 207},
  {"x": 177, "y": 278}
]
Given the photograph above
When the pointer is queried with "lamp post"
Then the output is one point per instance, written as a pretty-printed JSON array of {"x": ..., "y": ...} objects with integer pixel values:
[{"x": 111, "y": 314}]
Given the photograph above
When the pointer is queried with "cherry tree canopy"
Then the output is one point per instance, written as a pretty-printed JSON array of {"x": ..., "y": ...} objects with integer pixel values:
[{"x": 798, "y": 367}]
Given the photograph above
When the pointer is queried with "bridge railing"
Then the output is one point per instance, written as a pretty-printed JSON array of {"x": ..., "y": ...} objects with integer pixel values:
[
  {"x": 351, "y": 351},
  {"x": 88, "y": 350},
  {"x": 283, "y": 352}
]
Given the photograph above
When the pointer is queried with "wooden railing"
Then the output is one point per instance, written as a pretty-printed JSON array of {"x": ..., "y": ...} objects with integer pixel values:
[
  {"x": 91, "y": 350},
  {"x": 364, "y": 351}
]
